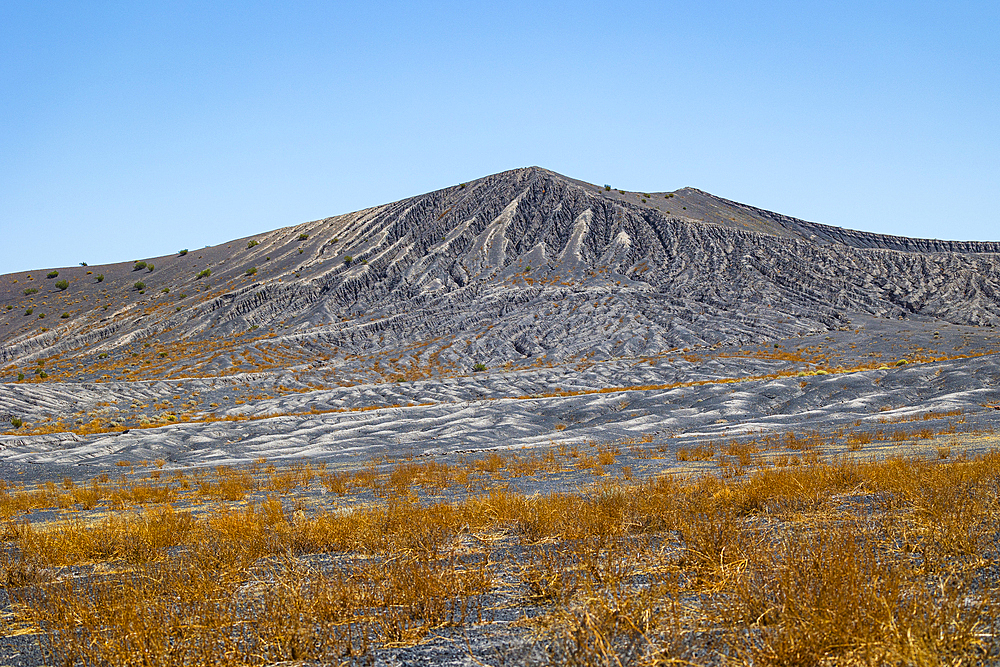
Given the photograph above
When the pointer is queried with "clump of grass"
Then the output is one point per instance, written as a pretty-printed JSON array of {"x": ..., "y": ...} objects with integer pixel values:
[
  {"x": 51, "y": 274},
  {"x": 62, "y": 285},
  {"x": 138, "y": 266},
  {"x": 251, "y": 271},
  {"x": 204, "y": 273},
  {"x": 252, "y": 243},
  {"x": 99, "y": 277},
  {"x": 28, "y": 291}
]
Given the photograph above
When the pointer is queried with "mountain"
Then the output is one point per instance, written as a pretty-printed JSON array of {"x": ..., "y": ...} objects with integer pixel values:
[{"x": 521, "y": 270}]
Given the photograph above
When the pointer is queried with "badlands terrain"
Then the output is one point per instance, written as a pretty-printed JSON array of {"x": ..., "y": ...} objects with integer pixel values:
[
  {"x": 521, "y": 321},
  {"x": 593, "y": 313}
]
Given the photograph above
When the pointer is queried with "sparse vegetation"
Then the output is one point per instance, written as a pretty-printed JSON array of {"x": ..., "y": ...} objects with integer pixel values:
[
  {"x": 29, "y": 311},
  {"x": 64, "y": 316},
  {"x": 183, "y": 252},
  {"x": 17, "y": 422},
  {"x": 62, "y": 285},
  {"x": 30, "y": 290},
  {"x": 479, "y": 367},
  {"x": 303, "y": 236},
  {"x": 150, "y": 267},
  {"x": 204, "y": 273},
  {"x": 52, "y": 274},
  {"x": 100, "y": 277},
  {"x": 348, "y": 259},
  {"x": 773, "y": 568},
  {"x": 140, "y": 286},
  {"x": 252, "y": 271},
  {"x": 252, "y": 243},
  {"x": 138, "y": 266}
]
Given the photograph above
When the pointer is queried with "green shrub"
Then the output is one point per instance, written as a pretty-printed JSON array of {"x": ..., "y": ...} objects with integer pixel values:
[
  {"x": 301, "y": 251},
  {"x": 83, "y": 264},
  {"x": 64, "y": 316},
  {"x": 461, "y": 186},
  {"x": 348, "y": 259},
  {"x": 165, "y": 290},
  {"x": 183, "y": 252},
  {"x": 41, "y": 316},
  {"x": 303, "y": 237},
  {"x": 479, "y": 367},
  {"x": 204, "y": 273},
  {"x": 364, "y": 261},
  {"x": 51, "y": 274},
  {"x": 901, "y": 362},
  {"x": 138, "y": 266},
  {"x": 140, "y": 286},
  {"x": 29, "y": 311},
  {"x": 100, "y": 277},
  {"x": 43, "y": 374},
  {"x": 335, "y": 239},
  {"x": 30, "y": 290},
  {"x": 150, "y": 266},
  {"x": 252, "y": 270},
  {"x": 102, "y": 355},
  {"x": 607, "y": 188},
  {"x": 20, "y": 376},
  {"x": 10, "y": 307},
  {"x": 252, "y": 243},
  {"x": 62, "y": 284},
  {"x": 177, "y": 309},
  {"x": 163, "y": 355},
  {"x": 16, "y": 422},
  {"x": 182, "y": 296}
]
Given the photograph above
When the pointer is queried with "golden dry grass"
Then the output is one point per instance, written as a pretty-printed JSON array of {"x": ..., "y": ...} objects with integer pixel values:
[{"x": 838, "y": 562}]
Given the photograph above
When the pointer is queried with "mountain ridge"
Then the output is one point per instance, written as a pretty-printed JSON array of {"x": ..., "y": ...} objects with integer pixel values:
[{"x": 510, "y": 267}]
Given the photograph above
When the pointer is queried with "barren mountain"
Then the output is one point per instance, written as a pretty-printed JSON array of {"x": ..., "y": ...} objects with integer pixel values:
[{"x": 552, "y": 284}]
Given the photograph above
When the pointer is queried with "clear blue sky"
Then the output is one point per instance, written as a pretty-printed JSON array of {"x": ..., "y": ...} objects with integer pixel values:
[{"x": 134, "y": 129}]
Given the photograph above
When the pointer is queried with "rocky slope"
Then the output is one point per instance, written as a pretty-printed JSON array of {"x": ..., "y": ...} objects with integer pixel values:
[{"x": 514, "y": 267}]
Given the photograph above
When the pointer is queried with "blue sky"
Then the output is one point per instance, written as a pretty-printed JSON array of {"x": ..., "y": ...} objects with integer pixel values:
[{"x": 130, "y": 130}]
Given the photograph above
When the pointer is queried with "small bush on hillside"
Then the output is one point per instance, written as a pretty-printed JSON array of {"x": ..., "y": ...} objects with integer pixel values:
[
  {"x": 348, "y": 259},
  {"x": 62, "y": 284},
  {"x": 100, "y": 277},
  {"x": 479, "y": 367},
  {"x": 52, "y": 274},
  {"x": 102, "y": 355},
  {"x": 64, "y": 316},
  {"x": 183, "y": 252},
  {"x": 10, "y": 307},
  {"x": 41, "y": 316},
  {"x": 165, "y": 290},
  {"x": 150, "y": 266},
  {"x": 204, "y": 273},
  {"x": 607, "y": 188},
  {"x": 31, "y": 290},
  {"x": 252, "y": 243},
  {"x": 140, "y": 286},
  {"x": 303, "y": 237},
  {"x": 138, "y": 266},
  {"x": 29, "y": 311},
  {"x": 83, "y": 264},
  {"x": 252, "y": 270},
  {"x": 15, "y": 421}
]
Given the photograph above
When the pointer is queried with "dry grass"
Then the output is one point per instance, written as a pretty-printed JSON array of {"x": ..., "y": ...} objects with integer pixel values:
[{"x": 842, "y": 562}]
